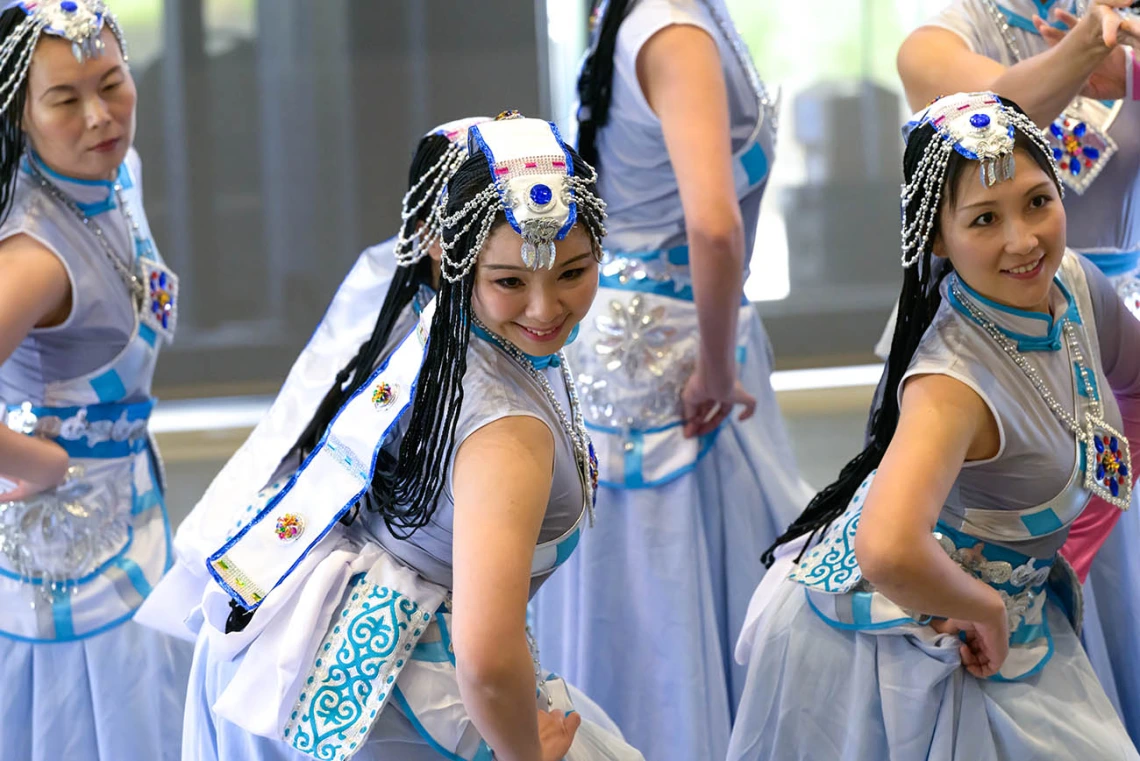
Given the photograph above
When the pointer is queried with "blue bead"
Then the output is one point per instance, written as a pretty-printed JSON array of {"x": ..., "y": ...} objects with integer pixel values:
[
  {"x": 1113, "y": 444},
  {"x": 981, "y": 121},
  {"x": 1057, "y": 154},
  {"x": 1074, "y": 167},
  {"x": 541, "y": 194},
  {"x": 1091, "y": 152},
  {"x": 1080, "y": 130},
  {"x": 68, "y": 6},
  {"x": 1124, "y": 470},
  {"x": 1114, "y": 487},
  {"x": 1055, "y": 130},
  {"x": 1099, "y": 471},
  {"x": 1099, "y": 444}
]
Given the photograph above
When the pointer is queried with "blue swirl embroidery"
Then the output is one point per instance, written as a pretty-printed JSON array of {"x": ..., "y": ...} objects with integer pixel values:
[
  {"x": 355, "y": 669},
  {"x": 831, "y": 565}
]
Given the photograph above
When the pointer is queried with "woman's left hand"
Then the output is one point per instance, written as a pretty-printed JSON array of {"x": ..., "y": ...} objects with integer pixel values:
[
  {"x": 704, "y": 410},
  {"x": 986, "y": 643}
]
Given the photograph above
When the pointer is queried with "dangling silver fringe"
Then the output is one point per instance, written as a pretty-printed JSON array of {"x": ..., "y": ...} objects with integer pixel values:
[{"x": 412, "y": 247}]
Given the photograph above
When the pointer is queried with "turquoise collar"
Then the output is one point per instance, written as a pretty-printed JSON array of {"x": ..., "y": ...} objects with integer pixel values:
[
  {"x": 539, "y": 363},
  {"x": 93, "y": 197},
  {"x": 1033, "y": 331},
  {"x": 1039, "y": 8}
]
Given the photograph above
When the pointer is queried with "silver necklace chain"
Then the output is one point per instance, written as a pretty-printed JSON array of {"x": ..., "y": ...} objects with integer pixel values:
[
  {"x": 1009, "y": 346},
  {"x": 1003, "y": 27},
  {"x": 573, "y": 424},
  {"x": 130, "y": 278},
  {"x": 767, "y": 104}
]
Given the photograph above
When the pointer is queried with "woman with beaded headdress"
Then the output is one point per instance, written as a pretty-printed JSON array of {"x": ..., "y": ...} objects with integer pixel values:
[
  {"x": 370, "y": 600},
  {"x": 1081, "y": 89},
  {"x": 919, "y": 608},
  {"x": 697, "y": 473},
  {"x": 85, "y": 305}
]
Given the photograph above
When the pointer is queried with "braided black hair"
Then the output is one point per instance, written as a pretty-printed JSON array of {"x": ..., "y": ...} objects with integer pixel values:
[
  {"x": 918, "y": 303},
  {"x": 595, "y": 81},
  {"x": 12, "y": 139}
]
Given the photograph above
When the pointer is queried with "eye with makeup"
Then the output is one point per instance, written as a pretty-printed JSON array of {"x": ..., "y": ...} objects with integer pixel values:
[
  {"x": 1040, "y": 201},
  {"x": 573, "y": 274},
  {"x": 983, "y": 220},
  {"x": 509, "y": 283}
]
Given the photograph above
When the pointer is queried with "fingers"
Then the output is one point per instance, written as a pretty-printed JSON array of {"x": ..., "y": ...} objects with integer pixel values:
[
  {"x": 1065, "y": 18},
  {"x": 1108, "y": 26},
  {"x": 572, "y": 721},
  {"x": 748, "y": 402}
]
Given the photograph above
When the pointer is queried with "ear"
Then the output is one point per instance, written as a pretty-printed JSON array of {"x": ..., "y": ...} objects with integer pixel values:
[
  {"x": 939, "y": 248},
  {"x": 435, "y": 251}
]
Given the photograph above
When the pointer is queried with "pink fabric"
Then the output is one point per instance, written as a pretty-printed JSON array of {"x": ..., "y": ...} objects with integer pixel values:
[
  {"x": 1118, "y": 334},
  {"x": 1132, "y": 75}
]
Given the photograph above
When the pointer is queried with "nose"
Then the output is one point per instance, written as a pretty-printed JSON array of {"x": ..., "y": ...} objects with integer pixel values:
[
  {"x": 1020, "y": 237},
  {"x": 96, "y": 113},
  {"x": 544, "y": 306}
]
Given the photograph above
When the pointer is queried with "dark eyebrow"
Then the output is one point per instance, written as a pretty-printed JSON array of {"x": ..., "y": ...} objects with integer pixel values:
[
  {"x": 70, "y": 89},
  {"x": 59, "y": 89},
  {"x": 1043, "y": 185},
  {"x": 564, "y": 264}
]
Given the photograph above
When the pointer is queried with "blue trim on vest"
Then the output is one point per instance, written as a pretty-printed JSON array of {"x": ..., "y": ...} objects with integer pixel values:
[
  {"x": 61, "y": 613},
  {"x": 566, "y": 547},
  {"x": 755, "y": 163},
  {"x": 147, "y": 334},
  {"x": 1081, "y": 385},
  {"x": 1042, "y": 523},
  {"x": 1025, "y": 24},
  {"x": 1049, "y": 342},
  {"x": 108, "y": 387},
  {"x": 1115, "y": 264},
  {"x": 445, "y": 636}
]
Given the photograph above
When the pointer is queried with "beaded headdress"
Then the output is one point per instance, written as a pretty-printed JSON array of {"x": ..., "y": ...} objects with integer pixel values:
[
  {"x": 532, "y": 183},
  {"x": 414, "y": 241},
  {"x": 80, "y": 22},
  {"x": 979, "y": 127}
]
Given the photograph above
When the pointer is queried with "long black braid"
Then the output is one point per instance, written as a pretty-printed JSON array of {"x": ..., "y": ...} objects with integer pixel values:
[
  {"x": 12, "y": 140},
  {"x": 405, "y": 284},
  {"x": 406, "y": 492},
  {"x": 595, "y": 81},
  {"x": 918, "y": 303}
]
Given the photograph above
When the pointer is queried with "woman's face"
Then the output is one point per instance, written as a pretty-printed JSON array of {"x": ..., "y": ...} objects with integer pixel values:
[
  {"x": 1005, "y": 241},
  {"x": 80, "y": 117},
  {"x": 534, "y": 309}
]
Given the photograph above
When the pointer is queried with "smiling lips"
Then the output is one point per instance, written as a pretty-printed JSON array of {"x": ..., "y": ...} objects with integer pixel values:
[
  {"x": 1026, "y": 271},
  {"x": 106, "y": 145},
  {"x": 541, "y": 335}
]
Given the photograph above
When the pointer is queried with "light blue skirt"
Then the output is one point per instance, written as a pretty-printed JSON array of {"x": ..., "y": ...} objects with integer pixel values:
[
  {"x": 644, "y": 615},
  {"x": 116, "y": 696},
  {"x": 818, "y": 693}
]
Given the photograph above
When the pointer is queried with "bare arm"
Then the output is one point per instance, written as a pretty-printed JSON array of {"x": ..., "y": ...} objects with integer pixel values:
[
  {"x": 679, "y": 70},
  {"x": 942, "y": 424},
  {"x": 934, "y": 61},
  {"x": 34, "y": 292},
  {"x": 502, "y": 483}
]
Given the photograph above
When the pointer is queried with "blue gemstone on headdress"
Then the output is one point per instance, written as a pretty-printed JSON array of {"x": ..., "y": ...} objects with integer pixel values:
[
  {"x": 1055, "y": 130},
  {"x": 1114, "y": 487},
  {"x": 1090, "y": 152},
  {"x": 1074, "y": 167},
  {"x": 981, "y": 121},
  {"x": 1113, "y": 444},
  {"x": 1080, "y": 129},
  {"x": 1099, "y": 444},
  {"x": 1057, "y": 154},
  {"x": 68, "y": 6},
  {"x": 1099, "y": 472},
  {"x": 541, "y": 194}
]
